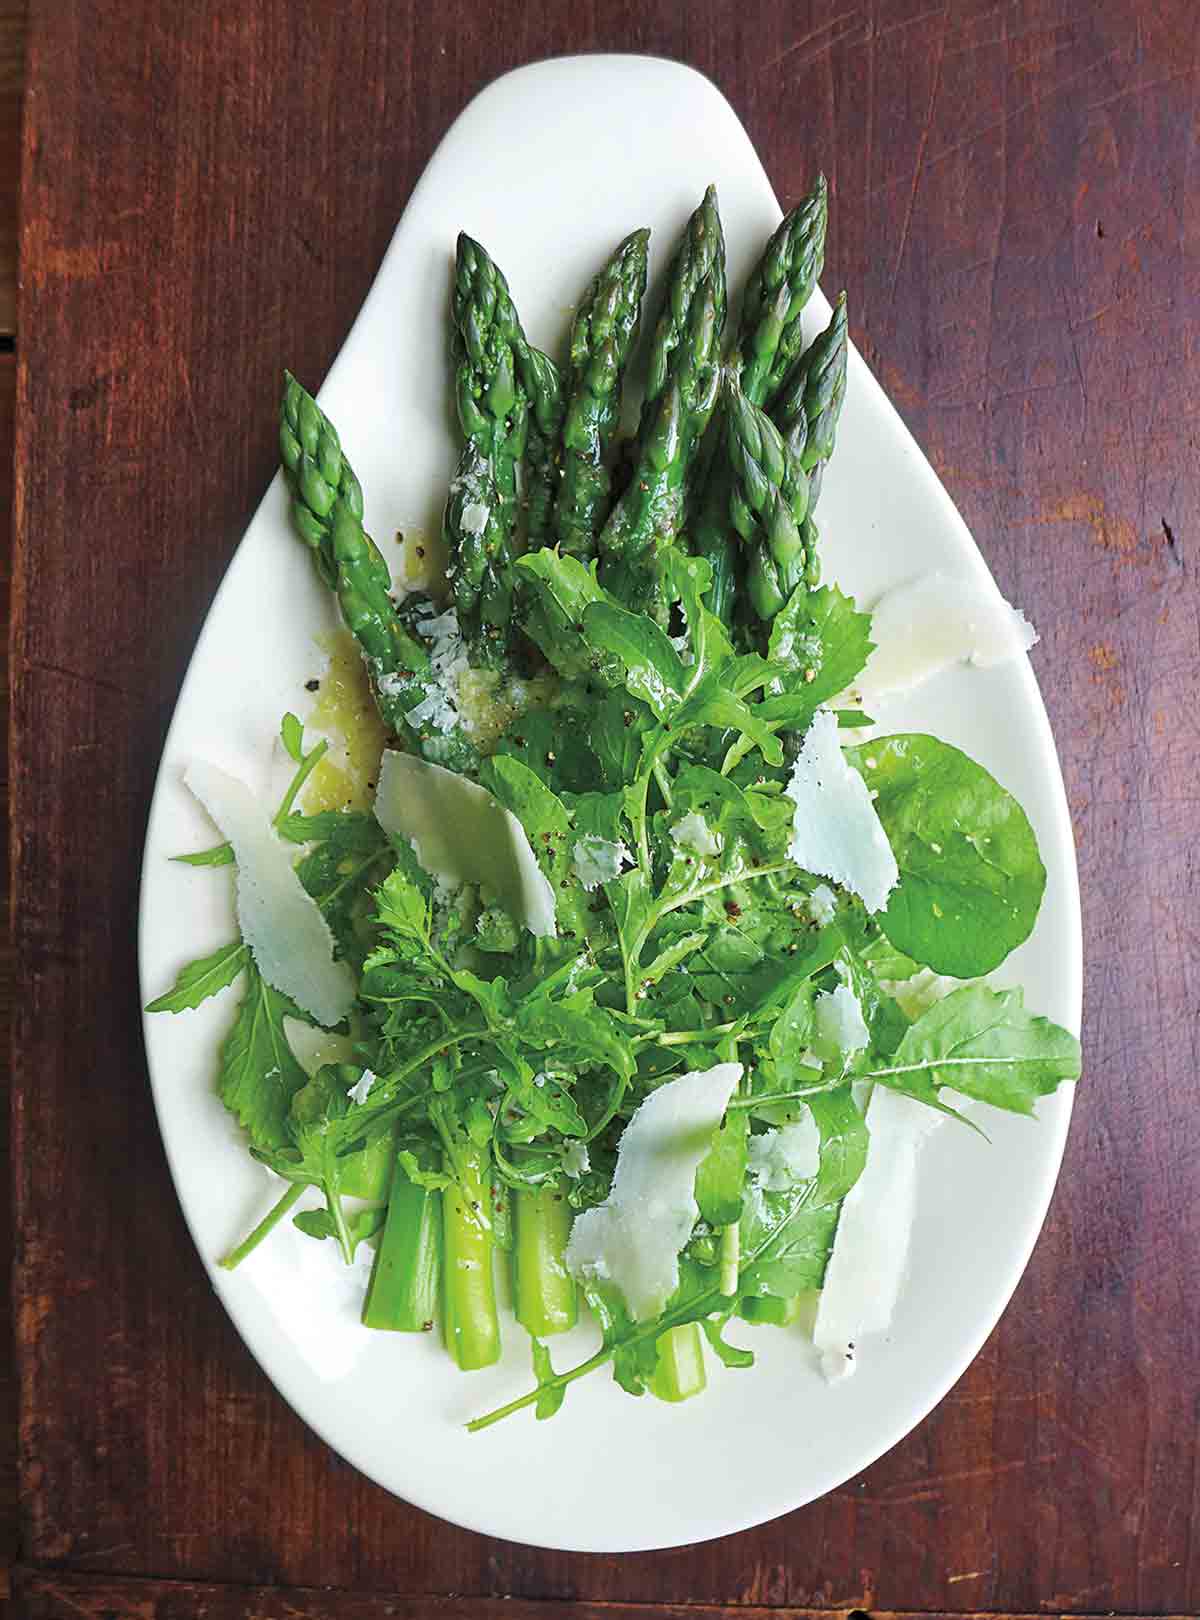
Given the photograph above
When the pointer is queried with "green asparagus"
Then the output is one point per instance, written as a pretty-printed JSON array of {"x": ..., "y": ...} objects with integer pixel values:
[
  {"x": 681, "y": 391},
  {"x": 540, "y": 378},
  {"x": 480, "y": 525},
  {"x": 602, "y": 336},
  {"x": 814, "y": 389},
  {"x": 777, "y": 291},
  {"x": 768, "y": 503}
]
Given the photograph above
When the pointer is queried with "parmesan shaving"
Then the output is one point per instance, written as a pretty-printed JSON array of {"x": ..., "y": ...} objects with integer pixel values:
[
  {"x": 694, "y": 833},
  {"x": 282, "y": 925},
  {"x": 835, "y": 830},
  {"x": 634, "y": 1238},
  {"x": 934, "y": 621},
  {"x": 870, "y": 1251},
  {"x": 461, "y": 834},
  {"x": 780, "y": 1160}
]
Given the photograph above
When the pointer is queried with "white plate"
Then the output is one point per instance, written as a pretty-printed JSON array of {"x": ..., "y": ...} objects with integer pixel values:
[{"x": 549, "y": 167}]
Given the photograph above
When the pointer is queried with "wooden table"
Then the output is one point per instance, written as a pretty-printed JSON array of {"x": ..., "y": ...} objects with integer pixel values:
[{"x": 207, "y": 192}]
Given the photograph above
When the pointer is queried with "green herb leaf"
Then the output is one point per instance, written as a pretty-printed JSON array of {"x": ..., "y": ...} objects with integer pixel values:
[
  {"x": 721, "y": 1174},
  {"x": 653, "y": 670},
  {"x": 559, "y": 589},
  {"x": 971, "y": 878},
  {"x": 203, "y": 978},
  {"x": 259, "y": 1075},
  {"x": 983, "y": 1043},
  {"x": 291, "y": 734}
]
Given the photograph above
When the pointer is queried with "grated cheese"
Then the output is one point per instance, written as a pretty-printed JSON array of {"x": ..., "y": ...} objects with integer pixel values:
[
  {"x": 598, "y": 860},
  {"x": 779, "y": 1160},
  {"x": 694, "y": 833}
]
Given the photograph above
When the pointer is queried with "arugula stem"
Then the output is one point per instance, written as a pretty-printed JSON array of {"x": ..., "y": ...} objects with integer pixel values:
[
  {"x": 730, "y": 1257},
  {"x": 685, "y": 1037},
  {"x": 307, "y": 766},
  {"x": 341, "y": 1231},
  {"x": 402, "y": 1295},
  {"x": 662, "y": 777},
  {"x": 747, "y": 876},
  {"x": 544, "y": 1295},
  {"x": 469, "y": 1320},
  {"x": 264, "y": 1228}
]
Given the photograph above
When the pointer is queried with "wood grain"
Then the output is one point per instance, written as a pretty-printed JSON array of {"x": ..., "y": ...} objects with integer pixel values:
[
  {"x": 208, "y": 194},
  {"x": 58, "y": 1595}
]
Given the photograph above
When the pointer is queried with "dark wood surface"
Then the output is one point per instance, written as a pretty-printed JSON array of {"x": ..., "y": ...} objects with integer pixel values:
[{"x": 208, "y": 191}]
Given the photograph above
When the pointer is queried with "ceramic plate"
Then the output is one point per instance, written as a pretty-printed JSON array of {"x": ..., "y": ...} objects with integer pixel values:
[{"x": 550, "y": 167}]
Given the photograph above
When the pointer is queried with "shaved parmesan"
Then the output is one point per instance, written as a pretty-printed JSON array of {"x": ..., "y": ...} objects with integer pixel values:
[
  {"x": 282, "y": 925},
  {"x": 839, "y": 1029},
  {"x": 598, "y": 860},
  {"x": 780, "y": 1160},
  {"x": 361, "y": 1089},
  {"x": 575, "y": 1160},
  {"x": 924, "y": 626},
  {"x": 694, "y": 833},
  {"x": 460, "y": 833},
  {"x": 633, "y": 1239},
  {"x": 835, "y": 830},
  {"x": 870, "y": 1249}
]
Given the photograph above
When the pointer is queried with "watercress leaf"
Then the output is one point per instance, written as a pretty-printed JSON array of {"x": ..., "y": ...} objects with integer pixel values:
[
  {"x": 971, "y": 878},
  {"x": 557, "y": 590},
  {"x": 258, "y": 1074},
  {"x": 653, "y": 670},
  {"x": 983, "y": 1043},
  {"x": 721, "y": 1173},
  {"x": 203, "y": 978}
]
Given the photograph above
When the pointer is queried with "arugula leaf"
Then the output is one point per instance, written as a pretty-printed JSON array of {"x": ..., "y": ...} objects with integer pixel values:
[
  {"x": 675, "y": 953},
  {"x": 822, "y": 640},
  {"x": 971, "y": 878},
  {"x": 721, "y": 1174},
  {"x": 203, "y": 978},
  {"x": 558, "y": 590},
  {"x": 653, "y": 670},
  {"x": 614, "y": 738},
  {"x": 218, "y": 855},
  {"x": 712, "y": 703},
  {"x": 291, "y": 734},
  {"x": 340, "y": 871},
  {"x": 983, "y": 1043},
  {"x": 258, "y": 1074},
  {"x": 547, "y": 824},
  {"x": 729, "y": 1354}
]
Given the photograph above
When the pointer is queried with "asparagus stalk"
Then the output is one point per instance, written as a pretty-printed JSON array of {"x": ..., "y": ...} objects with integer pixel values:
[
  {"x": 778, "y": 289},
  {"x": 679, "y": 1366},
  {"x": 768, "y": 503},
  {"x": 814, "y": 390},
  {"x": 327, "y": 514},
  {"x": 681, "y": 392},
  {"x": 602, "y": 336},
  {"x": 480, "y": 519},
  {"x": 402, "y": 1295},
  {"x": 547, "y": 405},
  {"x": 469, "y": 1320},
  {"x": 544, "y": 1294}
]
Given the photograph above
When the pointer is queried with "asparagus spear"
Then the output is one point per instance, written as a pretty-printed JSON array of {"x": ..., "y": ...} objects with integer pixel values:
[
  {"x": 327, "y": 514},
  {"x": 778, "y": 289},
  {"x": 403, "y": 1292},
  {"x": 469, "y": 1320},
  {"x": 544, "y": 1294},
  {"x": 815, "y": 389},
  {"x": 681, "y": 391},
  {"x": 480, "y": 520},
  {"x": 602, "y": 336},
  {"x": 768, "y": 503},
  {"x": 542, "y": 384},
  {"x": 769, "y": 339}
]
